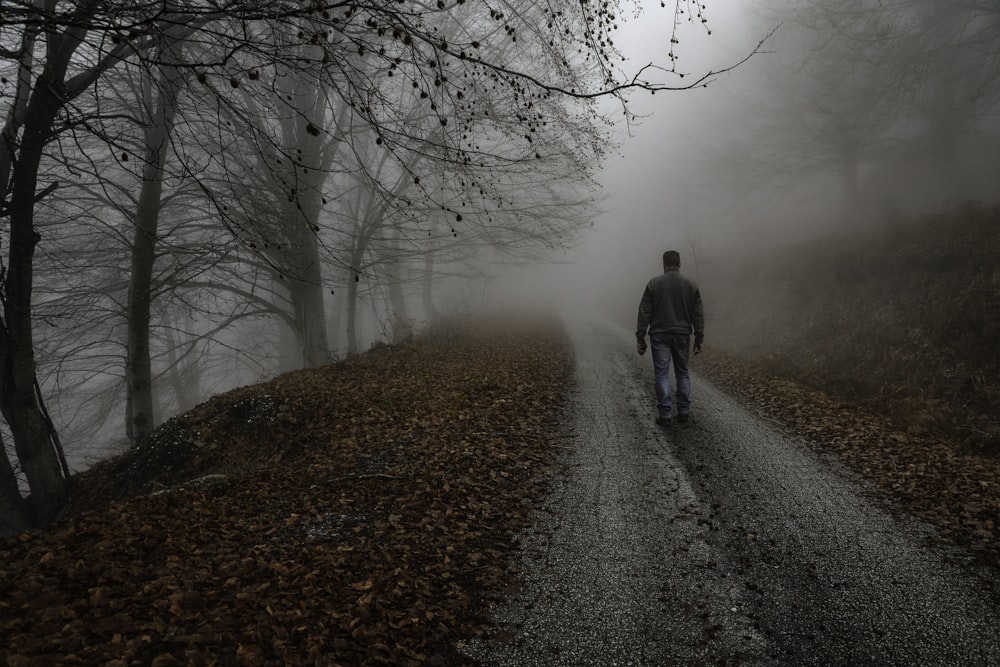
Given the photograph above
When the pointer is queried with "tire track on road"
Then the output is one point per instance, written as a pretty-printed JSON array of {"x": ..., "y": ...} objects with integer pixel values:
[
  {"x": 619, "y": 570},
  {"x": 835, "y": 576},
  {"x": 723, "y": 542}
]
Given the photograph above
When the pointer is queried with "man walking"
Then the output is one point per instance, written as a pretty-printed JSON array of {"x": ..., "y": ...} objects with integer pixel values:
[{"x": 671, "y": 310}]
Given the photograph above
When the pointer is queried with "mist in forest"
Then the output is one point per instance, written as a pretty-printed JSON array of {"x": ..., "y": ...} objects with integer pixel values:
[
  {"x": 791, "y": 121},
  {"x": 847, "y": 120},
  {"x": 205, "y": 220}
]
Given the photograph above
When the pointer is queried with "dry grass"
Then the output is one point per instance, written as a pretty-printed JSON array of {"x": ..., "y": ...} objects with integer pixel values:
[{"x": 904, "y": 321}]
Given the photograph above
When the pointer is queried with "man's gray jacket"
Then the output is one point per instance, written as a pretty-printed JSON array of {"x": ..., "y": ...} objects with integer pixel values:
[{"x": 671, "y": 304}]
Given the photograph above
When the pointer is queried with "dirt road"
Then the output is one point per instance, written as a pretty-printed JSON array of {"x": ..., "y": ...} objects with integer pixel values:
[{"x": 724, "y": 542}]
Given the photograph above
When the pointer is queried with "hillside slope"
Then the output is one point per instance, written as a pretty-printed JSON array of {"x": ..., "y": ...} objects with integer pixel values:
[
  {"x": 364, "y": 512},
  {"x": 359, "y": 512},
  {"x": 904, "y": 320},
  {"x": 884, "y": 348}
]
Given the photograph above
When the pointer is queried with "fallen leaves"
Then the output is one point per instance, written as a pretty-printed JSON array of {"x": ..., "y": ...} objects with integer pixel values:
[
  {"x": 357, "y": 513},
  {"x": 938, "y": 480}
]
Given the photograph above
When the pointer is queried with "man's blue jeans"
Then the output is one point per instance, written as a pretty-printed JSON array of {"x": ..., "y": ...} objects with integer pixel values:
[{"x": 675, "y": 348}]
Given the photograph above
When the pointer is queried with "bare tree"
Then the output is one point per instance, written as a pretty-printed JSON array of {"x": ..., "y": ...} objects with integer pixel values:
[
  {"x": 292, "y": 164},
  {"x": 946, "y": 56},
  {"x": 855, "y": 90},
  {"x": 159, "y": 104},
  {"x": 452, "y": 53}
]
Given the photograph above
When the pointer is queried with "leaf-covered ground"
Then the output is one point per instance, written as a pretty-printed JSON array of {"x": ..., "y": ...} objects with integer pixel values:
[
  {"x": 939, "y": 480},
  {"x": 357, "y": 513},
  {"x": 363, "y": 513},
  {"x": 902, "y": 318}
]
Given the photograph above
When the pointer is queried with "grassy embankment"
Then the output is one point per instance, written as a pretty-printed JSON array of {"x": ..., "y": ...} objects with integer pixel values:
[
  {"x": 885, "y": 349},
  {"x": 904, "y": 320}
]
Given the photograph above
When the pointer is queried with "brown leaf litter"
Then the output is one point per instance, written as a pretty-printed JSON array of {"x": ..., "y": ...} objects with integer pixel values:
[
  {"x": 953, "y": 487},
  {"x": 362, "y": 512}
]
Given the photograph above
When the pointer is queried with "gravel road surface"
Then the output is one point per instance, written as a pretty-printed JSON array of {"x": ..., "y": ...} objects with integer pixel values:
[{"x": 724, "y": 541}]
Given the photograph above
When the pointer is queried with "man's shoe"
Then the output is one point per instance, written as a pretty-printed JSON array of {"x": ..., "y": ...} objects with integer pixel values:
[
  {"x": 683, "y": 419},
  {"x": 663, "y": 421}
]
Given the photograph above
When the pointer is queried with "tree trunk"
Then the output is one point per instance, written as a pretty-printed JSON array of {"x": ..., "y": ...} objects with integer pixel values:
[
  {"x": 306, "y": 96},
  {"x": 357, "y": 257},
  {"x": 351, "y": 314},
  {"x": 13, "y": 517},
  {"x": 140, "y": 418},
  {"x": 333, "y": 315},
  {"x": 402, "y": 328},
  {"x": 306, "y": 285},
  {"x": 33, "y": 441},
  {"x": 310, "y": 320},
  {"x": 183, "y": 373},
  {"x": 430, "y": 312},
  {"x": 849, "y": 187},
  {"x": 945, "y": 134}
]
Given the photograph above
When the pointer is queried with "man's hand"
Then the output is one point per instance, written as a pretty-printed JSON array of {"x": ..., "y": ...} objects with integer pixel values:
[
  {"x": 640, "y": 346},
  {"x": 697, "y": 344}
]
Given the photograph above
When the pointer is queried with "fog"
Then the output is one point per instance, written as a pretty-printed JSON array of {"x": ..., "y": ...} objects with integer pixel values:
[
  {"x": 824, "y": 130},
  {"x": 654, "y": 197},
  {"x": 787, "y": 121}
]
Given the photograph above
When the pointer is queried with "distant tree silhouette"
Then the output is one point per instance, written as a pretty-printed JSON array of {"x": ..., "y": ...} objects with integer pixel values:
[{"x": 455, "y": 56}]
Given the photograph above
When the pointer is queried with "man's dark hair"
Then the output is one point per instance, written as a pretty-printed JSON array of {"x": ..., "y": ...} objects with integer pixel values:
[{"x": 671, "y": 258}]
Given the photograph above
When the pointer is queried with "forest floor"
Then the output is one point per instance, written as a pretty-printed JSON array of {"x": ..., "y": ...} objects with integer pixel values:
[
  {"x": 883, "y": 344},
  {"x": 940, "y": 480},
  {"x": 362, "y": 512},
  {"x": 365, "y": 512}
]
